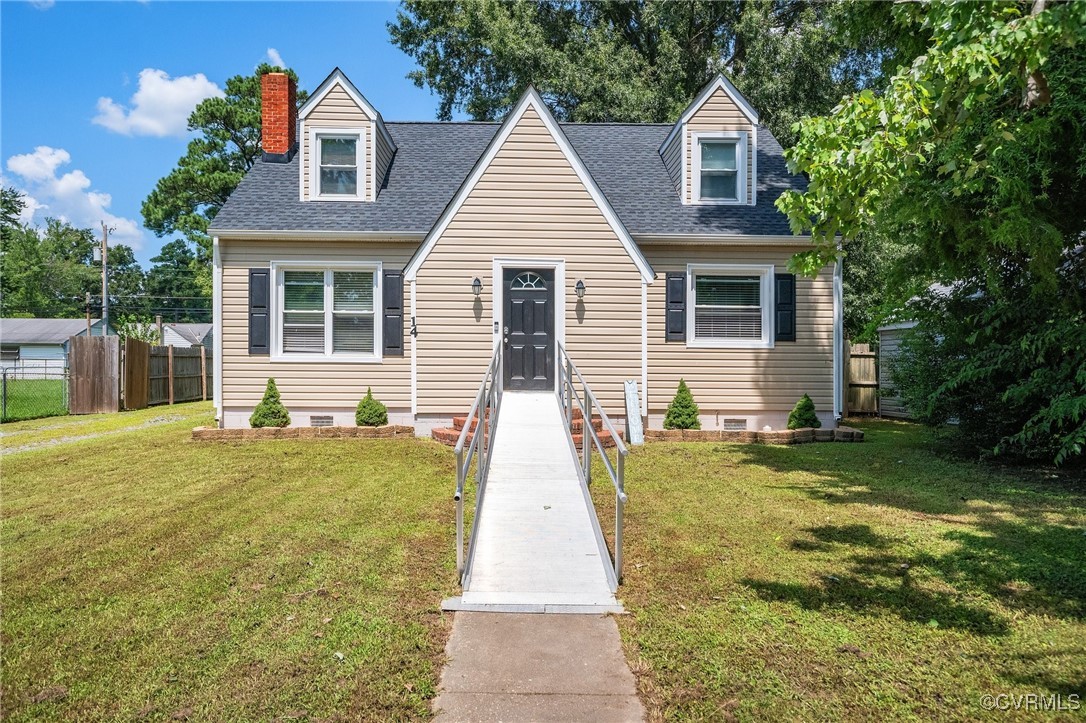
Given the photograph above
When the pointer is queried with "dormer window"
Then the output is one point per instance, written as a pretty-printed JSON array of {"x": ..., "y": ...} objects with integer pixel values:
[
  {"x": 337, "y": 173},
  {"x": 720, "y": 164}
]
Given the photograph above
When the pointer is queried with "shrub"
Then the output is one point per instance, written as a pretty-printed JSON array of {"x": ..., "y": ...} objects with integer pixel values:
[
  {"x": 682, "y": 413},
  {"x": 803, "y": 414},
  {"x": 270, "y": 412},
  {"x": 370, "y": 412}
]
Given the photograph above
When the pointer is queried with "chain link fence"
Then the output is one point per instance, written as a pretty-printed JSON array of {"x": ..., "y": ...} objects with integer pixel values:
[{"x": 33, "y": 391}]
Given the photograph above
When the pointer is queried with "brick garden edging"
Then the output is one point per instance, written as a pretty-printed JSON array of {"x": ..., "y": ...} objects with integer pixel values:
[
  {"x": 233, "y": 435},
  {"x": 781, "y": 436}
]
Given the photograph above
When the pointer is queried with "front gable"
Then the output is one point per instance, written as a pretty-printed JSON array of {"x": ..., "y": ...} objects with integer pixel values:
[
  {"x": 719, "y": 114},
  {"x": 338, "y": 109},
  {"x": 531, "y": 181}
]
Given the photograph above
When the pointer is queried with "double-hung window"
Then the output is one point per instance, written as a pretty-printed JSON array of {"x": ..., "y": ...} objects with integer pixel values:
[
  {"x": 720, "y": 168},
  {"x": 328, "y": 313},
  {"x": 730, "y": 306},
  {"x": 337, "y": 164}
]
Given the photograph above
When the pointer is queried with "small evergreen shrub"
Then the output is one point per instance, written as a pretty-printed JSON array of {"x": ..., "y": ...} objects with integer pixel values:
[
  {"x": 370, "y": 412},
  {"x": 682, "y": 413},
  {"x": 803, "y": 414},
  {"x": 270, "y": 412}
]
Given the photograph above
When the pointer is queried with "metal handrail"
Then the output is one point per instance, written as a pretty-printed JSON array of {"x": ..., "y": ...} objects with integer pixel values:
[
  {"x": 567, "y": 371},
  {"x": 486, "y": 407}
]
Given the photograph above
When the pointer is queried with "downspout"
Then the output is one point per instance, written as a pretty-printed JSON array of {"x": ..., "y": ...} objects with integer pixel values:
[
  {"x": 645, "y": 350},
  {"x": 216, "y": 313},
  {"x": 414, "y": 359},
  {"x": 838, "y": 334}
]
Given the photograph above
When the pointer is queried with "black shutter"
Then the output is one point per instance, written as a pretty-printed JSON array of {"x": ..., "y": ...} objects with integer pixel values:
[
  {"x": 786, "y": 307},
  {"x": 259, "y": 313},
  {"x": 676, "y": 306},
  {"x": 392, "y": 309}
]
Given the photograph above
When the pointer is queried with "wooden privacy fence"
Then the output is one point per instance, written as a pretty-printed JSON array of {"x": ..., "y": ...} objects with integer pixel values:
[
  {"x": 94, "y": 364},
  {"x": 863, "y": 381},
  {"x": 107, "y": 375}
]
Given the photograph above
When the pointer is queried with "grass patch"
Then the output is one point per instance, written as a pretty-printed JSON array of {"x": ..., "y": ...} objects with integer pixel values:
[
  {"x": 150, "y": 576},
  {"x": 841, "y": 581},
  {"x": 34, "y": 398}
]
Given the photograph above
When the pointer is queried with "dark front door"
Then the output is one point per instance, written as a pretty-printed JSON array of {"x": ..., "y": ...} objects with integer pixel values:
[{"x": 529, "y": 328}]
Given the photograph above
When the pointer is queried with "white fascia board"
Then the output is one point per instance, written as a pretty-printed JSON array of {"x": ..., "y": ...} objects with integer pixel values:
[
  {"x": 899, "y": 326},
  {"x": 530, "y": 99},
  {"x": 303, "y": 235},
  {"x": 718, "y": 83},
  {"x": 723, "y": 240},
  {"x": 338, "y": 76}
]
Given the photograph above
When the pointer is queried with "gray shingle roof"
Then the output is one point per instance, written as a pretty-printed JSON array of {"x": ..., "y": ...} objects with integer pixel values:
[
  {"x": 434, "y": 159},
  {"x": 193, "y": 333},
  {"x": 40, "y": 331}
]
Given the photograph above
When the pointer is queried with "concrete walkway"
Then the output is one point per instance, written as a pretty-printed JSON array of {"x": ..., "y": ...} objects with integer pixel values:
[{"x": 531, "y": 667}]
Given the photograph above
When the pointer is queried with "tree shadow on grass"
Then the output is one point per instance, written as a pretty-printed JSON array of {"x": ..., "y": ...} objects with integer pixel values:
[{"x": 1010, "y": 535}]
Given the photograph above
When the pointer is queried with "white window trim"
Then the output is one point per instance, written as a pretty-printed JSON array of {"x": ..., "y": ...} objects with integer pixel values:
[
  {"x": 765, "y": 274},
  {"x": 315, "y": 134},
  {"x": 277, "y": 269},
  {"x": 741, "y": 180}
]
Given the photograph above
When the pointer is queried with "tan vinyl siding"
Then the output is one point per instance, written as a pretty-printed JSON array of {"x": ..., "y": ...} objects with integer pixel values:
[
  {"x": 383, "y": 153},
  {"x": 673, "y": 160},
  {"x": 304, "y": 384},
  {"x": 718, "y": 113},
  {"x": 337, "y": 110},
  {"x": 529, "y": 202},
  {"x": 743, "y": 380}
]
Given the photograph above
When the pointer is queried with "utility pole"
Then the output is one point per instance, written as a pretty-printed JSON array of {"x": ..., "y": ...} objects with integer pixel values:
[
  {"x": 86, "y": 307},
  {"x": 105, "y": 278}
]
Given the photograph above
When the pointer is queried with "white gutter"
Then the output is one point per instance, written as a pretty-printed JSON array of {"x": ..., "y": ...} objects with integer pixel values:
[
  {"x": 722, "y": 239},
  {"x": 302, "y": 235}
]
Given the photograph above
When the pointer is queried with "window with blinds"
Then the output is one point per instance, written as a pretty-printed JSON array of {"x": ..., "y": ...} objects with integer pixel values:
[
  {"x": 328, "y": 312},
  {"x": 719, "y": 170},
  {"x": 727, "y": 307}
]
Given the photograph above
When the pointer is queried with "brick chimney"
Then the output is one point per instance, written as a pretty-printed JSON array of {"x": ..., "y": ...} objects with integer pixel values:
[{"x": 278, "y": 117}]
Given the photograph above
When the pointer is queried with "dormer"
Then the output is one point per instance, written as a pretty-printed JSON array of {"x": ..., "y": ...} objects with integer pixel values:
[
  {"x": 712, "y": 151},
  {"x": 344, "y": 150}
]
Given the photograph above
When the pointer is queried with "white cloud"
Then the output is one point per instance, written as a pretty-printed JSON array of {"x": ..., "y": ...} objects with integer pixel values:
[
  {"x": 160, "y": 106},
  {"x": 68, "y": 197},
  {"x": 43, "y": 4},
  {"x": 275, "y": 58}
]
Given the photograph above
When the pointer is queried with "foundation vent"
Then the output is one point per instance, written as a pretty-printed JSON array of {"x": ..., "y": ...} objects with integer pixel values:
[
  {"x": 320, "y": 421},
  {"x": 733, "y": 425}
]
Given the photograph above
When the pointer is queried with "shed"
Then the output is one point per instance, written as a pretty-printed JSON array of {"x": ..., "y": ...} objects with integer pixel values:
[{"x": 890, "y": 337}]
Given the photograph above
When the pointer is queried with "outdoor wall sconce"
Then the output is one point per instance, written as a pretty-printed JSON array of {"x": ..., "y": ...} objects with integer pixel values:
[
  {"x": 579, "y": 288},
  {"x": 476, "y": 287}
]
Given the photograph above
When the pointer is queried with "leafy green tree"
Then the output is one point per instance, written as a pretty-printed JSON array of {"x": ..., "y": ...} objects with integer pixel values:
[
  {"x": 226, "y": 147},
  {"x": 370, "y": 412},
  {"x": 803, "y": 414},
  {"x": 174, "y": 285},
  {"x": 972, "y": 159},
  {"x": 682, "y": 413},
  {"x": 270, "y": 412},
  {"x": 634, "y": 61},
  {"x": 131, "y": 326}
]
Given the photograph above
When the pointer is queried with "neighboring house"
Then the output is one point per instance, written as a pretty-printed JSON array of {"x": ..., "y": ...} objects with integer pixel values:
[
  {"x": 890, "y": 336},
  {"x": 184, "y": 335},
  {"x": 41, "y": 344},
  {"x": 348, "y": 256}
]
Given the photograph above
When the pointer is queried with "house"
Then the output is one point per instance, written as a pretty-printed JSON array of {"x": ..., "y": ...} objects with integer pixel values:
[
  {"x": 41, "y": 345},
  {"x": 186, "y": 335},
  {"x": 399, "y": 256}
]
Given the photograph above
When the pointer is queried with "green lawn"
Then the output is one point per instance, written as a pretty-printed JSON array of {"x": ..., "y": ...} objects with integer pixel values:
[
  {"x": 147, "y": 576},
  {"x": 34, "y": 398},
  {"x": 848, "y": 581}
]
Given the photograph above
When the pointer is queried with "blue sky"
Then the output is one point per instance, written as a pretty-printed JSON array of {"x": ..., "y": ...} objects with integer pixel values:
[{"x": 94, "y": 95}]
